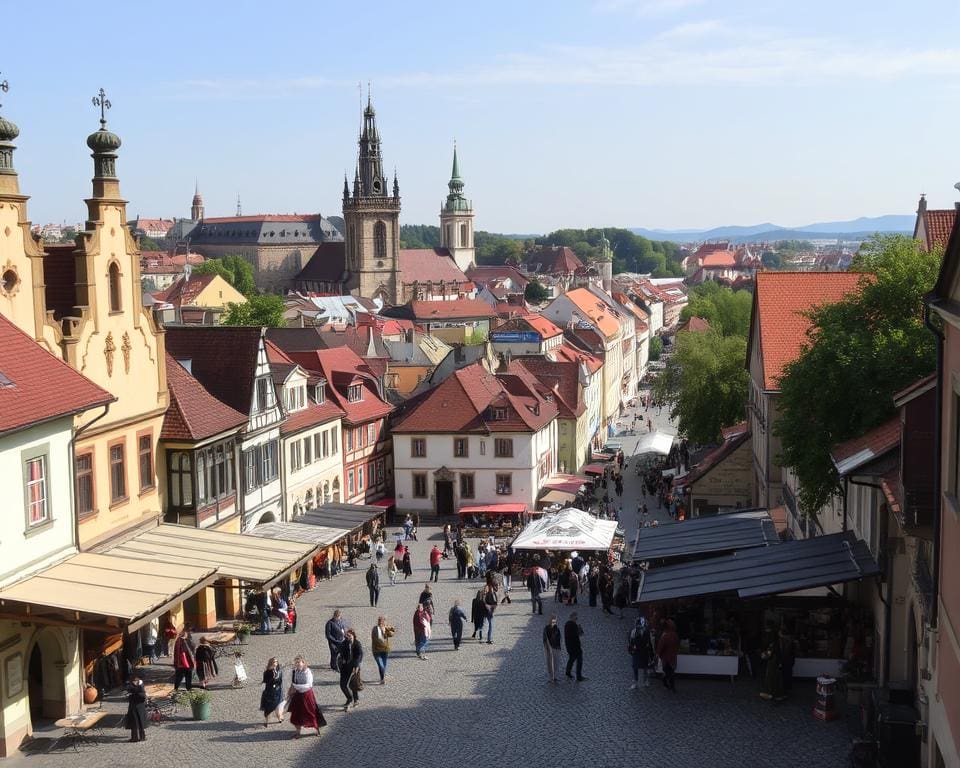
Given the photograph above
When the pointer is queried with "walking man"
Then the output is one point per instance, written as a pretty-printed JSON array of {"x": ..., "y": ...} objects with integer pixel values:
[
  {"x": 667, "y": 648},
  {"x": 536, "y": 586},
  {"x": 335, "y": 631},
  {"x": 373, "y": 584},
  {"x": 640, "y": 647},
  {"x": 435, "y": 557},
  {"x": 551, "y": 647},
  {"x": 572, "y": 632}
]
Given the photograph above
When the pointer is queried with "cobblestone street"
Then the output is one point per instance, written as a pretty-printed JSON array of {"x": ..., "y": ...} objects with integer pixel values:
[{"x": 481, "y": 702}]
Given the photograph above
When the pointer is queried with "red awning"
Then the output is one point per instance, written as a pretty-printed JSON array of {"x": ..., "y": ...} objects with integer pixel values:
[
  {"x": 566, "y": 483},
  {"x": 494, "y": 509},
  {"x": 593, "y": 469},
  {"x": 383, "y": 503}
]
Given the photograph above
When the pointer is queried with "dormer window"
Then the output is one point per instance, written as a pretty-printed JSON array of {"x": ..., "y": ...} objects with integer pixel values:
[
  {"x": 320, "y": 393},
  {"x": 355, "y": 393},
  {"x": 296, "y": 398},
  {"x": 498, "y": 414}
]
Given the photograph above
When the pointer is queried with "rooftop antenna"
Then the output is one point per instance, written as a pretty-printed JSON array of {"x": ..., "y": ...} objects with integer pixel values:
[
  {"x": 239, "y": 209},
  {"x": 4, "y": 87}
]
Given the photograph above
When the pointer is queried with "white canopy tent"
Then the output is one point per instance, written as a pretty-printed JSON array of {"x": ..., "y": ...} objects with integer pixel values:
[
  {"x": 567, "y": 529},
  {"x": 655, "y": 442}
]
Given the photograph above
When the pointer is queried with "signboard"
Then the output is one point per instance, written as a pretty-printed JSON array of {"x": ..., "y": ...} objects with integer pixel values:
[
  {"x": 13, "y": 671},
  {"x": 515, "y": 337}
]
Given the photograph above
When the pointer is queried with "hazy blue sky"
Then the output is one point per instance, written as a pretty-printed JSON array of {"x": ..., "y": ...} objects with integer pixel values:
[{"x": 657, "y": 113}]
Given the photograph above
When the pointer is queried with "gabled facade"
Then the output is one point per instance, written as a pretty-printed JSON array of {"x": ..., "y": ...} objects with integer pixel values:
[
  {"x": 196, "y": 300},
  {"x": 529, "y": 334}
]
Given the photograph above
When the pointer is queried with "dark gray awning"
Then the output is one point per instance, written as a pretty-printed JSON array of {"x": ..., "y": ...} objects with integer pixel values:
[
  {"x": 787, "y": 567},
  {"x": 706, "y": 535},
  {"x": 348, "y": 516}
]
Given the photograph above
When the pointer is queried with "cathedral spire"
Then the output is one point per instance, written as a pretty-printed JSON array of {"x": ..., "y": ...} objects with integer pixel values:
[
  {"x": 369, "y": 160},
  {"x": 346, "y": 187},
  {"x": 196, "y": 207}
]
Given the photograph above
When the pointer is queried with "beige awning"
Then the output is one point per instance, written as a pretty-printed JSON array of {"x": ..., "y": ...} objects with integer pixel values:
[
  {"x": 88, "y": 587},
  {"x": 234, "y": 555},
  {"x": 319, "y": 535}
]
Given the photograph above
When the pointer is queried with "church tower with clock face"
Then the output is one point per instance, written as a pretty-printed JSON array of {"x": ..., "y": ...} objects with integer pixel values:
[{"x": 371, "y": 214}]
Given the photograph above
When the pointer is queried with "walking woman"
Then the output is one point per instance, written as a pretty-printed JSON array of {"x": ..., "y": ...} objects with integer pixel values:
[
  {"x": 392, "y": 570},
  {"x": 136, "y": 709},
  {"x": 348, "y": 660},
  {"x": 478, "y": 614},
  {"x": 271, "y": 699},
  {"x": 457, "y": 618},
  {"x": 206, "y": 662},
  {"x": 422, "y": 630},
  {"x": 380, "y": 644},
  {"x": 407, "y": 565},
  {"x": 183, "y": 661},
  {"x": 304, "y": 712}
]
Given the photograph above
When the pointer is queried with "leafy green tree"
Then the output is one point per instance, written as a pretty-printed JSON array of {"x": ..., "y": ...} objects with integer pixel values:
[
  {"x": 535, "y": 292},
  {"x": 236, "y": 270},
  {"x": 419, "y": 236},
  {"x": 727, "y": 311},
  {"x": 859, "y": 353},
  {"x": 705, "y": 384},
  {"x": 264, "y": 309},
  {"x": 772, "y": 260},
  {"x": 148, "y": 244},
  {"x": 656, "y": 348}
]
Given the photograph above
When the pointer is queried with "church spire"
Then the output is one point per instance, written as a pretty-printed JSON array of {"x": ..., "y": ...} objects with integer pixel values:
[
  {"x": 369, "y": 160},
  {"x": 455, "y": 199},
  {"x": 196, "y": 207}
]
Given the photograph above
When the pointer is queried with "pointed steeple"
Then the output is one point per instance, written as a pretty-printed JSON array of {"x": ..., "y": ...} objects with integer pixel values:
[
  {"x": 346, "y": 187},
  {"x": 104, "y": 144},
  {"x": 396, "y": 184},
  {"x": 196, "y": 207},
  {"x": 369, "y": 159},
  {"x": 455, "y": 199},
  {"x": 239, "y": 209}
]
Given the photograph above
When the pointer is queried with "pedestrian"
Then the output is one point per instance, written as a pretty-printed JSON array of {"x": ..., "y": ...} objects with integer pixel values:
[
  {"x": 168, "y": 636},
  {"x": 478, "y": 613},
  {"x": 622, "y": 595},
  {"x": 551, "y": 647},
  {"x": 136, "y": 710},
  {"x": 380, "y": 551},
  {"x": 668, "y": 645},
  {"x": 407, "y": 565},
  {"x": 606, "y": 592},
  {"x": 399, "y": 549},
  {"x": 490, "y": 602},
  {"x": 373, "y": 584},
  {"x": 150, "y": 640},
  {"x": 184, "y": 660},
  {"x": 304, "y": 712},
  {"x": 271, "y": 697},
  {"x": 456, "y": 617},
  {"x": 206, "y": 662},
  {"x": 640, "y": 648},
  {"x": 349, "y": 659},
  {"x": 536, "y": 586},
  {"x": 572, "y": 633},
  {"x": 422, "y": 629},
  {"x": 460, "y": 552},
  {"x": 649, "y": 425},
  {"x": 468, "y": 556},
  {"x": 772, "y": 681},
  {"x": 407, "y": 527},
  {"x": 334, "y": 631},
  {"x": 593, "y": 584},
  {"x": 392, "y": 570},
  {"x": 426, "y": 599},
  {"x": 380, "y": 645},
  {"x": 573, "y": 587},
  {"x": 435, "y": 557}
]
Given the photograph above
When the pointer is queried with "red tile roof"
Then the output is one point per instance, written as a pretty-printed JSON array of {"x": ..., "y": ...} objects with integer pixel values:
[
  {"x": 937, "y": 225},
  {"x": 193, "y": 413},
  {"x": 779, "y": 303},
  {"x": 554, "y": 259},
  {"x": 311, "y": 416},
  {"x": 694, "y": 324},
  {"x": 340, "y": 366},
  {"x": 714, "y": 457},
  {"x": 707, "y": 248},
  {"x": 870, "y": 445},
  {"x": 566, "y": 353},
  {"x": 36, "y": 386},
  {"x": 495, "y": 274},
  {"x": 183, "y": 292},
  {"x": 719, "y": 259},
  {"x": 598, "y": 312},
  {"x": 429, "y": 265},
  {"x": 458, "y": 309},
  {"x": 563, "y": 378},
  {"x": 463, "y": 402}
]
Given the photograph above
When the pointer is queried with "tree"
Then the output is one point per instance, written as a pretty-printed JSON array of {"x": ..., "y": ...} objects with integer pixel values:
[
  {"x": 261, "y": 310},
  {"x": 656, "y": 348},
  {"x": 772, "y": 260},
  {"x": 727, "y": 311},
  {"x": 859, "y": 352},
  {"x": 419, "y": 236},
  {"x": 535, "y": 293},
  {"x": 236, "y": 270},
  {"x": 705, "y": 384},
  {"x": 148, "y": 244}
]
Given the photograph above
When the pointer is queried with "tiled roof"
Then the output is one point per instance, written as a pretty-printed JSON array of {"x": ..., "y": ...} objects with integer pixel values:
[
  {"x": 719, "y": 259},
  {"x": 222, "y": 358},
  {"x": 779, "y": 303},
  {"x": 154, "y": 224},
  {"x": 340, "y": 366},
  {"x": 706, "y": 249},
  {"x": 183, "y": 292},
  {"x": 462, "y": 403},
  {"x": 598, "y": 312},
  {"x": 554, "y": 259},
  {"x": 328, "y": 264},
  {"x": 490, "y": 275},
  {"x": 714, "y": 457},
  {"x": 311, "y": 416},
  {"x": 694, "y": 324},
  {"x": 160, "y": 263},
  {"x": 566, "y": 353},
  {"x": 937, "y": 225},
  {"x": 193, "y": 413},
  {"x": 563, "y": 378},
  {"x": 36, "y": 386},
  {"x": 434, "y": 311},
  {"x": 856, "y": 451},
  {"x": 533, "y": 322},
  {"x": 429, "y": 265}
]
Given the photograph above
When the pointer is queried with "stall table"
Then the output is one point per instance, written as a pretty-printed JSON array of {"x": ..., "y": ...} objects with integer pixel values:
[
  {"x": 81, "y": 729},
  {"x": 707, "y": 664}
]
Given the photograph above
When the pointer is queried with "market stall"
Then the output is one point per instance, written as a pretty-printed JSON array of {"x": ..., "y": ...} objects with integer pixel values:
[
  {"x": 492, "y": 520},
  {"x": 594, "y": 469},
  {"x": 568, "y": 529},
  {"x": 704, "y": 536}
]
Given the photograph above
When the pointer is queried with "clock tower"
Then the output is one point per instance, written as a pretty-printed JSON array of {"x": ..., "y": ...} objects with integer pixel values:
[{"x": 372, "y": 218}]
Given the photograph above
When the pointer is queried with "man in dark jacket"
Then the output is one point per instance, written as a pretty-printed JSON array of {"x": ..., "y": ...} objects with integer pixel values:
[
  {"x": 536, "y": 586},
  {"x": 373, "y": 584},
  {"x": 551, "y": 647},
  {"x": 335, "y": 631},
  {"x": 571, "y": 637},
  {"x": 668, "y": 646},
  {"x": 640, "y": 647}
]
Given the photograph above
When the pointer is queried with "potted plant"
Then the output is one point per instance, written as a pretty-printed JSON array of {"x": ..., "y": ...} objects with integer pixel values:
[
  {"x": 243, "y": 632},
  {"x": 200, "y": 701}
]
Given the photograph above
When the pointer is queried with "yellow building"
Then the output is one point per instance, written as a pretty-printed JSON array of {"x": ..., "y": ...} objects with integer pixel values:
[{"x": 196, "y": 300}]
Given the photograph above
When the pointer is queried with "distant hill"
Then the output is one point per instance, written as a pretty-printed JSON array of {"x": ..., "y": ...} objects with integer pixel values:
[{"x": 852, "y": 229}]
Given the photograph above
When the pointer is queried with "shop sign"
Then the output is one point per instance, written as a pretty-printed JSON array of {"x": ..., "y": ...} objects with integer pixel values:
[{"x": 13, "y": 672}]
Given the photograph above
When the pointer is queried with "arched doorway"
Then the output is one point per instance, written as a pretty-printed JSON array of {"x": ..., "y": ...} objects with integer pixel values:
[{"x": 44, "y": 678}]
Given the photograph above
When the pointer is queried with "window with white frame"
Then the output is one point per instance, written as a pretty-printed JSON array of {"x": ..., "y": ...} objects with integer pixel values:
[
  {"x": 418, "y": 447},
  {"x": 371, "y": 433},
  {"x": 37, "y": 493},
  {"x": 296, "y": 456},
  {"x": 460, "y": 449},
  {"x": 355, "y": 393},
  {"x": 504, "y": 484},
  {"x": 307, "y": 451},
  {"x": 351, "y": 479},
  {"x": 466, "y": 485},
  {"x": 503, "y": 447},
  {"x": 335, "y": 441}
]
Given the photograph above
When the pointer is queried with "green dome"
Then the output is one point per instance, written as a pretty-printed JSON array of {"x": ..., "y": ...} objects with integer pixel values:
[
  {"x": 8, "y": 131},
  {"x": 103, "y": 140}
]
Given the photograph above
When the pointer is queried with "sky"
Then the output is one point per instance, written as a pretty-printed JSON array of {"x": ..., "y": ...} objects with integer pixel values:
[{"x": 627, "y": 113}]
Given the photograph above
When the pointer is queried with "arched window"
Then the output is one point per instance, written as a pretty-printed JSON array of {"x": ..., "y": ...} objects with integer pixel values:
[
  {"x": 114, "y": 277},
  {"x": 380, "y": 240},
  {"x": 336, "y": 489},
  {"x": 449, "y": 239},
  {"x": 308, "y": 500},
  {"x": 464, "y": 236}
]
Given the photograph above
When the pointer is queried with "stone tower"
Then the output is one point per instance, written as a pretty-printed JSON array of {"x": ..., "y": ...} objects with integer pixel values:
[
  {"x": 372, "y": 218},
  {"x": 196, "y": 207},
  {"x": 456, "y": 220}
]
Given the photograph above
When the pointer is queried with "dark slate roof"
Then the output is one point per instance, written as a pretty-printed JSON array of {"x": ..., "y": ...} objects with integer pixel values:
[
  {"x": 265, "y": 229},
  {"x": 706, "y": 535},
  {"x": 222, "y": 358},
  {"x": 346, "y": 516},
  {"x": 296, "y": 339},
  {"x": 327, "y": 265},
  {"x": 787, "y": 567}
]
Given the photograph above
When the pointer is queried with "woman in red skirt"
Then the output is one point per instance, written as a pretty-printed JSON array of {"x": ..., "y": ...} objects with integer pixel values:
[{"x": 304, "y": 712}]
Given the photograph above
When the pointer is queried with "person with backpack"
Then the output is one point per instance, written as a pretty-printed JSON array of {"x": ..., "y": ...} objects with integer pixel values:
[
  {"x": 380, "y": 644},
  {"x": 457, "y": 618},
  {"x": 640, "y": 648}
]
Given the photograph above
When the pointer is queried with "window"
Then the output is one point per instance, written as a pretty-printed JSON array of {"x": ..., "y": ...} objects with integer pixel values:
[
  {"x": 35, "y": 478},
  {"x": 483, "y": 447},
  {"x": 350, "y": 482},
  {"x": 418, "y": 447},
  {"x": 295, "y": 456},
  {"x": 335, "y": 441},
  {"x": 180, "y": 478},
  {"x": 380, "y": 240},
  {"x": 307, "y": 451},
  {"x": 371, "y": 433},
  {"x": 348, "y": 435},
  {"x": 260, "y": 465},
  {"x": 503, "y": 448},
  {"x": 320, "y": 393},
  {"x": 118, "y": 474},
  {"x": 359, "y": 478},
  {"x": 460, "y": 447},
  {"x": 250, "y": 462},
  {"x": 324, "y": 444},
  {"x": 145, "y": 456},
  {"x": 358, "y": 437},
  {"x": 504, "y": 485},
  {"x": 449, "y": 239},
  {"x": 114, "y": 287},
  {"x": 355, "y": 393},
  {"x": 464, "y": 237},
  {"x": 498, "y": 414},
  {"x": 83, "y": 472},
  {"x": 262, "y": 386},
  {"x": 419, "y": 485},
  {"x": 380, "y": 468},
  {"x": 269, "y": 463},
  {"x": 466, "y": 486}
]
